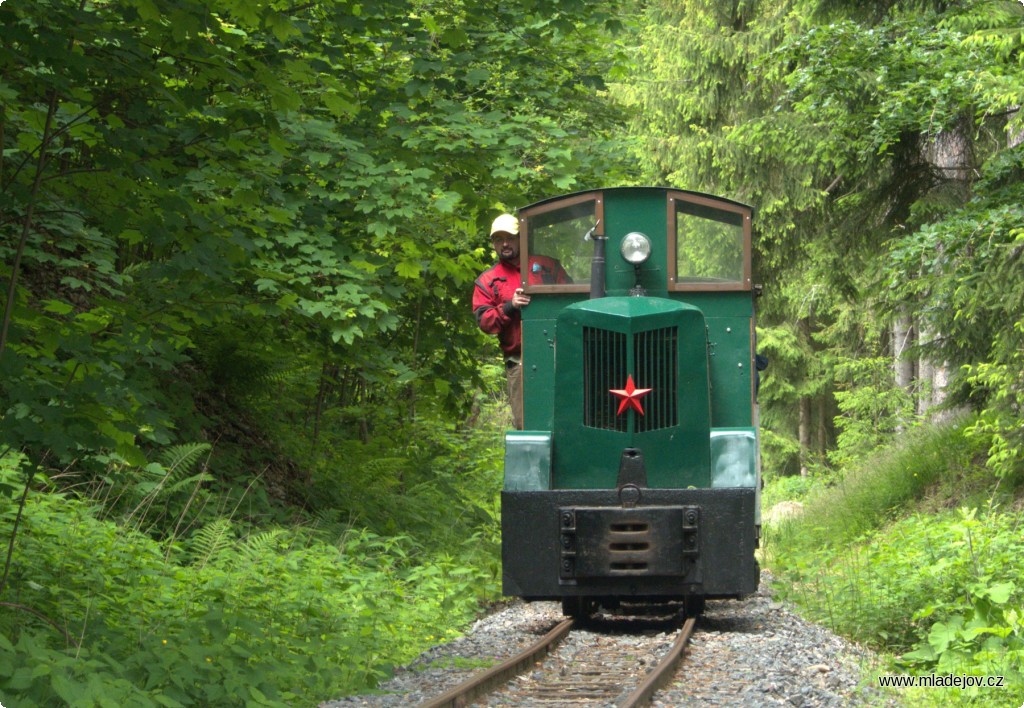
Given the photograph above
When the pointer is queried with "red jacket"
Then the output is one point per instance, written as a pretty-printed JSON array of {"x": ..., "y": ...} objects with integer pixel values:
[{"x": 492, "y": 298}]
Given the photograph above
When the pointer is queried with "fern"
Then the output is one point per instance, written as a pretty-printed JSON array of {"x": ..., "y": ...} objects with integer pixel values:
[
  {"x": 383, "y": 472},
  {"x": 210, "y": 542},
  {"x": 161, "y": 480},
  {"x": 180, "y": 459},
  {"x": 188, "y": 483},
  {"x": 329, "y": 525},
  {"x": 258, "y": 547}
]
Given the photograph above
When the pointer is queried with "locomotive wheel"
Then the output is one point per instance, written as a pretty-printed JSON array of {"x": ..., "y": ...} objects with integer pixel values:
[
  {"x": 693, "y": 605},
  {"x": 578, "y": 607}
]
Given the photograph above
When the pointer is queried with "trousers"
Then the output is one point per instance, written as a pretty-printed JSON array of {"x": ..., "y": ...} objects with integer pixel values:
[{"x": 514, "y": 373}]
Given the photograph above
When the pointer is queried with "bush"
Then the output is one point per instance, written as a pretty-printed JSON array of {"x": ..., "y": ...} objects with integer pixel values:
[
  {"x": 788, "y": 488},
  {"x": 938, "y": 587},
  {"x": 102, "y": 614},
  {"x": 851, "y": 504}
]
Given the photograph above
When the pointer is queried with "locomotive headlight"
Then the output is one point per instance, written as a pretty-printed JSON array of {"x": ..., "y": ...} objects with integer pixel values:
[{"x": 636, "y": 248}]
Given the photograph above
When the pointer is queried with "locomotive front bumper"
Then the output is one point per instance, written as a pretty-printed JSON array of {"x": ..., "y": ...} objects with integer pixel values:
[{"x": 668, "y": 543}]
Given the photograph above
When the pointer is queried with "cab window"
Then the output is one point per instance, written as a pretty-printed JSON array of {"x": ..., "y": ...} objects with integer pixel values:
[
  {"x": 554, "y": 237},
  {"x": 710, "y": 245}
]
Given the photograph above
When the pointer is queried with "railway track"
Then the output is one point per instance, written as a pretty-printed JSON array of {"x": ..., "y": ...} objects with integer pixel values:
[{"x": 572, "y": 666}]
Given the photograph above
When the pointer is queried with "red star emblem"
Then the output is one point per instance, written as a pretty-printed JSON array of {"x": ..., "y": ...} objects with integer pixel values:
[{"x": 630, "y": 396}]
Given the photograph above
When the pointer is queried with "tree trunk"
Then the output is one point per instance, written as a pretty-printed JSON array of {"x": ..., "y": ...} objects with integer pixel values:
[
  {"x": 1014, "y": 137},
  {"x": 821, "y": 444},
  {"x": 805, "y": 433},
  {"x": 951, "y": 155},
  {"x": 805, "y": 424},
  {"x": 26, "y": 227},
  {"x": 903, "y": 365},
  {"x": 940, "y": 380},
  {"x": 926, "y": 385}
]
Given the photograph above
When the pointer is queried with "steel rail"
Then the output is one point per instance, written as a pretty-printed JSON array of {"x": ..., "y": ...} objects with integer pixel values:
[
  {"x": 482, "y": 683},
  {"x": 661, "y": 673}
]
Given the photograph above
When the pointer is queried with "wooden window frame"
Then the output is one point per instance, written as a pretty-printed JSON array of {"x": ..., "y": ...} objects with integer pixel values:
[
  {"x": 524, "y": 239},
  {"x": 746, "y": 214}
]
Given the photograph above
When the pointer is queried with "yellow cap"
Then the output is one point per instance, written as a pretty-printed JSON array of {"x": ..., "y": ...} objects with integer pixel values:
[{"x": 506, "y": 224}]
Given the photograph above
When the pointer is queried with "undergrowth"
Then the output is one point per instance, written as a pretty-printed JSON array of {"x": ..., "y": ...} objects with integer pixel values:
[
  {"x": 918, "y": 553},
  {"x": 148, "y": 588}
]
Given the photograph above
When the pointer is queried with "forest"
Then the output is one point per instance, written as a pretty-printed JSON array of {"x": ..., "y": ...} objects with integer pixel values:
[{"x": 250, "y": 435}]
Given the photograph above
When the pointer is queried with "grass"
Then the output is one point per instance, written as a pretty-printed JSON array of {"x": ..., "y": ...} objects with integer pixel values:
[{"x": 918, "y": 553}]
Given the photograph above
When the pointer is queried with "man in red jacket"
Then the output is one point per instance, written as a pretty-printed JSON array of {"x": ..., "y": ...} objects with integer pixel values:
[{"x": 498, "y": 298}]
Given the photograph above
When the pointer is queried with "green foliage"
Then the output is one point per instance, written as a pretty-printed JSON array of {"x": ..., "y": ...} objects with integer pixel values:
[
  {"x": 401, "y": 492},
  {"x": 980, "y": 627},
  {"x": 244, "y": 187},
  {"x": 796, "y": 370},
  {"x": 220, "y": 226},
  {"x": 968, "y": 267},
  {"x": 788, "y": 488},
  {"x": 880, "y": 486},
  {"x": 842, "y": 124},
  {"x": 880, "y": 556},
  {"x": 872, "y": 408},
  {"x": 230, "y": 614},
  {"x": 940, "y": 592},
  {"x": 999, "y": 421}
]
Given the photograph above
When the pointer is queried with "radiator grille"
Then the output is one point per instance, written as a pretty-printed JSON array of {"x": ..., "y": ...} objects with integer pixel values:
[
  {"x": 605, "y": 366},
  {"x": 654, "y": 356}
]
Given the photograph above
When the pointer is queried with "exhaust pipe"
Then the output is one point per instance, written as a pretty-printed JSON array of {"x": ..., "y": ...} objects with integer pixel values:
[{"x": 596, "y": 263}]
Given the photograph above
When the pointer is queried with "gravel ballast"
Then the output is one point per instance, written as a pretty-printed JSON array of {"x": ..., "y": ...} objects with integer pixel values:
[{"x": 753, "y": 652}]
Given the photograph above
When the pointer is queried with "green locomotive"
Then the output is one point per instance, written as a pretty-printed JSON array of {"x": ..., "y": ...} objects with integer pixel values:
[{"x": 637, "y": 474}]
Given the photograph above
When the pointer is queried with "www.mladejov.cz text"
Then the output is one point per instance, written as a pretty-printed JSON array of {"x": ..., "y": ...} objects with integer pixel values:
[{"x": 940, "y": 681}]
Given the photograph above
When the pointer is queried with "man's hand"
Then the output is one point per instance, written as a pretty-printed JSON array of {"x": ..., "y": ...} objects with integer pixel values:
[{"x": 520, "y": 299}]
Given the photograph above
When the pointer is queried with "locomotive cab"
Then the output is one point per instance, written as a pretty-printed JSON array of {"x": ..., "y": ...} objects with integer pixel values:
[{"x": 637, "y": 475}]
